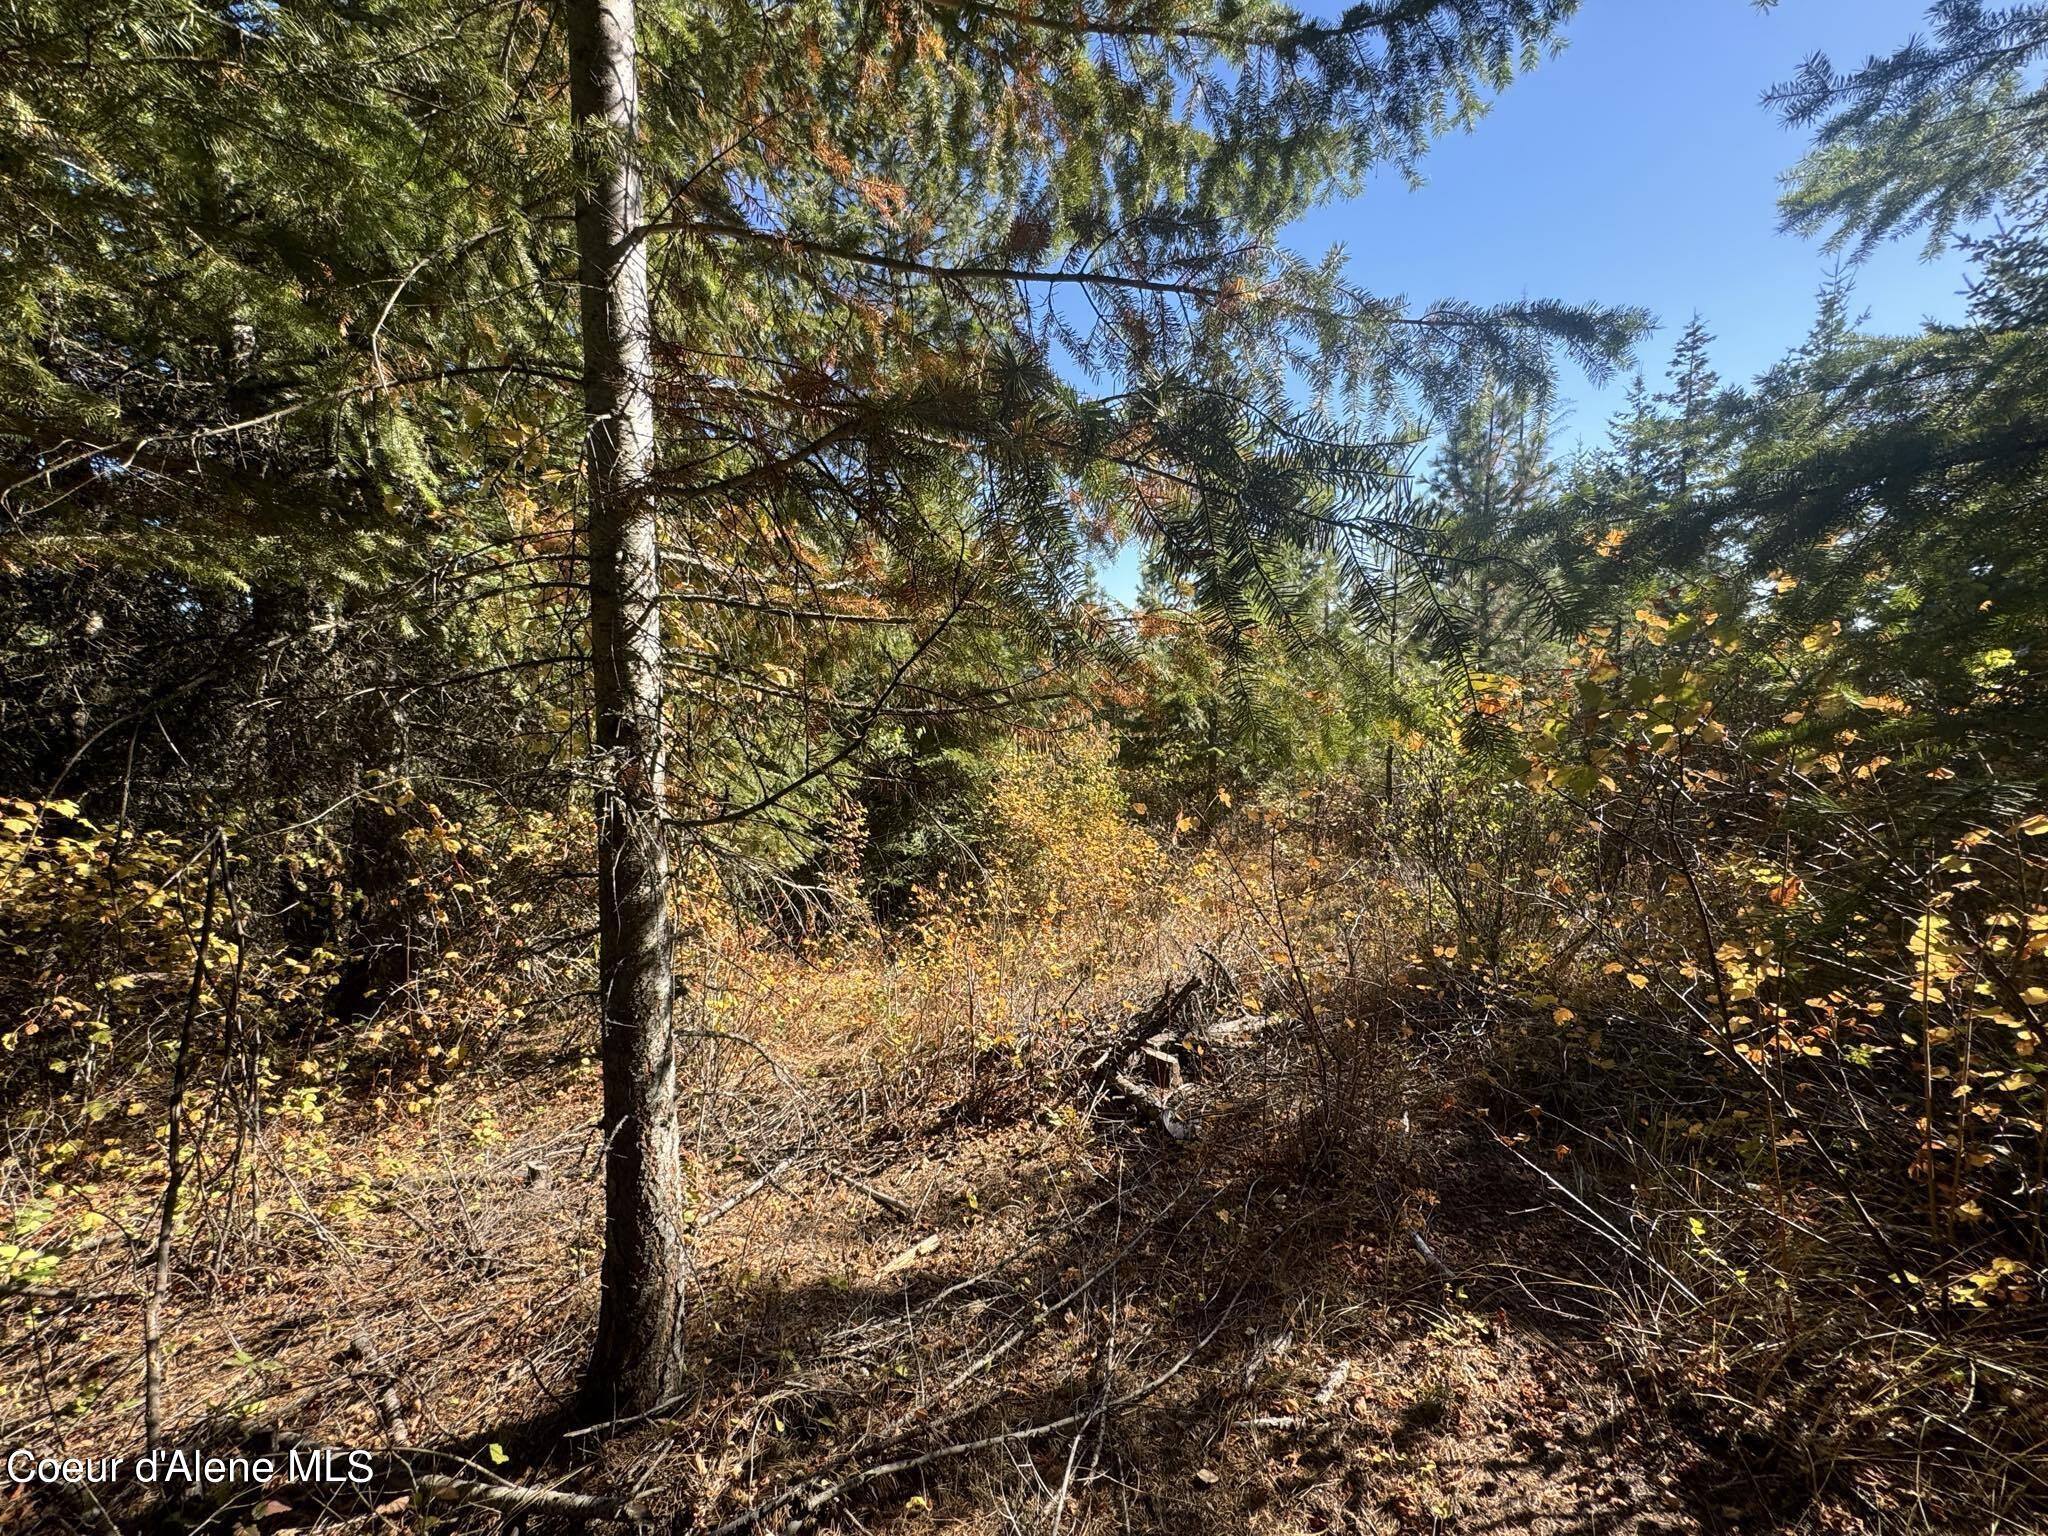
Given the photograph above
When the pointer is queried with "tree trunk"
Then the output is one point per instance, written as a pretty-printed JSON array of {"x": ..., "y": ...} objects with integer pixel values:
[{"x": 639, "y": 1356}]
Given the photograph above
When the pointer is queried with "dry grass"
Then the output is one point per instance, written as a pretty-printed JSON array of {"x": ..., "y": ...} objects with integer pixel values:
[{"x": 1417, "y": 1271}]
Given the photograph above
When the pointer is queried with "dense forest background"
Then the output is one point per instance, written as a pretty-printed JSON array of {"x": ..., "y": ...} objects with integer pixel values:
[{"x": 1503, "y": 989}]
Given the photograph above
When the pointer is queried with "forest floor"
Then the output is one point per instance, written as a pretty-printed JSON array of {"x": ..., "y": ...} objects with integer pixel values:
[{"x": 1002, "y": 1308}]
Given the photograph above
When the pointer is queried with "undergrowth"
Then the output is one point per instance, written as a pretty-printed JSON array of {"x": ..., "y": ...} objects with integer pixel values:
[{"x": 1760, "y": 1049}]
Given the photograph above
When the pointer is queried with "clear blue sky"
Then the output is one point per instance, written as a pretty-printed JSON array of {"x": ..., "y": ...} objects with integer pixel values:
[{"x": 1638, "y": 167}]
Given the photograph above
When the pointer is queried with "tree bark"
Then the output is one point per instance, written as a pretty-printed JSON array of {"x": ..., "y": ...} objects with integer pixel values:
[{"x": 638, "y": 1361}]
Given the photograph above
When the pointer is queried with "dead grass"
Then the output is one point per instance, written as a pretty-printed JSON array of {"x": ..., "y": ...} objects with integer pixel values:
[
  {"x": 941, "y": 1286},
  {"x": 1173, "y": 1313}
]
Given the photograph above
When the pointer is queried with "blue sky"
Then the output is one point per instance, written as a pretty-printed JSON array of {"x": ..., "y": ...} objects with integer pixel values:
[{"x": 1638, "y": 167}]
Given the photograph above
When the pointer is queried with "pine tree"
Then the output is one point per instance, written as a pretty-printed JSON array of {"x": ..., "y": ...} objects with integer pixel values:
[
  {"x": 639, "y": 1359},
  {"x": 1935, "y": 136},
  {"x": 934, "y": 297},
  {"x": 255, "y": 303},
  {"x": 891, "y": 258},
  {"x": 1878, "y": 501},
  {"x": 1688, "y": 448},
  {"x": 1489, "y": 481}
]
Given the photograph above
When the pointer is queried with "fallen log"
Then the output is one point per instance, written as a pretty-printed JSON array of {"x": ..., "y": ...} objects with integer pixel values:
[
  {"x": 1148, "y": 1064},
  {"x": 1156, "y": 1025},
  {"x": 382, "y": 1386},
  {"x": 1153, "y": 1105}
]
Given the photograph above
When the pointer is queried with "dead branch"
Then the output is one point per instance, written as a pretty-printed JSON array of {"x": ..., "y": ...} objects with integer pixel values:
[
  {"x": 382, "y": 1386},
  {"x": 888, "y": 1202},
  {"x": 1153, "y": 1105},
  {"x": 174, "y": 1168},
  {"x": 511, "y": 1499},
  {"x": 809, "y": 1505}
]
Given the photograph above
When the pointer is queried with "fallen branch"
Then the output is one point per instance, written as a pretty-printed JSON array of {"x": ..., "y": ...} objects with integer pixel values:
[
  {"x": 809, "y": 1504},
  {"x": 1333, "y": 1383},
  {"x": 382, "y": 1386},
  {"x": 732, "y": 1203},
  {"x": 1153, "y": 1105},
  {"x": 1444, "y": 1271},
  {"x": 1324, "y": 1395},
  {"x": 608, "y": 1426},
  {"x": 1242, "y": 1027},
  {"x": 512, "y": 1499},
  {"x": 1147, "y": 1047},
  {"x": 509, "y": 1499},
  {"x": 69, "y": 1295},
  {"x": 1597, "y": 1224},
  {"x": 1148, "y": 1027},
  {"x": 923, "y": 1248},
  {"x": 888, "y": 1202}
]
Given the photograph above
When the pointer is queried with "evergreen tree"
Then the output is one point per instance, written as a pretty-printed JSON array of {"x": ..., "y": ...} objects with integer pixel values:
[
  {"x": 1877, "y": 502},
  {"x": 1688, "y": 443},
  {"x": 639, "y": 1358},
  {"x": 881, "y": 287},
  {"x": 1934, "y": 136},
  {"x": 933, "y": 299},
  {"x": 1900, "y": 483},
  {"x": 256, "y": 307},
  {"x": 1490, "y": 479}
]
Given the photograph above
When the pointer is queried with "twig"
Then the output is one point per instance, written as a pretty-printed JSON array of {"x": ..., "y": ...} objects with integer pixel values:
[
  {"x": 509, "y": 1499},
  {"x": 512, "y": 1499},
  {"x": 887, "y": 1201},
  {"x": 733, "y": 1202},
  {"x": 810, "y": 1504},
  {"x": 174, "y": 1171},
  {"x": 1594, "y": 1222},
  {"x": 603, "y": 1425},
  {"x": 1444, "y": 1271},
  {"x": 1333, "y": 1383}
]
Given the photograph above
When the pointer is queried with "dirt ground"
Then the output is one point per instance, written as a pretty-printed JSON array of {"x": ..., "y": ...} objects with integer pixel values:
[{"x": 1014, "y": 1313}]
